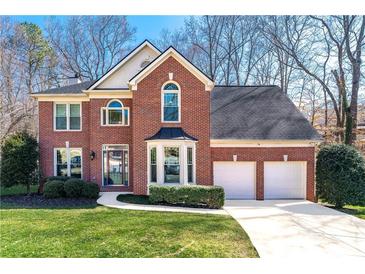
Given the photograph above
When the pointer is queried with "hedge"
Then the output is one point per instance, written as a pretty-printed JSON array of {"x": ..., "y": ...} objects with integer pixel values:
[
  {"x": 194, "y": 196},
  {"x": 340, "y": 175},
  {"x": 90, "y": 190},
  {"x": 70, "y": 188},
  {"x": 54, "y": 189},
  {"x": 58, "y": 178},
  {"x": 73, "y": 187}
]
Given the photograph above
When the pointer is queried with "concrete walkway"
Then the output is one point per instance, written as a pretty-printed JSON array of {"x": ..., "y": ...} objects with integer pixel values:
[
  {"x": 299, "y": 228},
  {"x": 109, "y": 199}
]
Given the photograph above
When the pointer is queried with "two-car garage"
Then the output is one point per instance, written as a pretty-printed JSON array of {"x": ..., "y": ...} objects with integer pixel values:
[{"x": 281, "y": 179}]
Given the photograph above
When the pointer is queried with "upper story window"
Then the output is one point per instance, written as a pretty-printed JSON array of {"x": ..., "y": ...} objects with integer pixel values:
[
  {"x": 67, "y": 116},
  {"x": 171, "y": 103},
  {"x": 115, "y": 114}
]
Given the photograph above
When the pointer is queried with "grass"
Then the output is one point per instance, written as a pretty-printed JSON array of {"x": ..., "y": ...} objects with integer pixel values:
[
  {"x": 133, "y": 199},
  {"x": 358, "y": 211},
  {"x": 106, "y": 232},
  {"x": 17, "y": 190}
]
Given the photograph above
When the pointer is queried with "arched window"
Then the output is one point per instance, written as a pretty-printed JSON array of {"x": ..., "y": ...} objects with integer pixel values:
[
  {"x": 115, "y": 114},
  {"x": 171, "y": 103}
]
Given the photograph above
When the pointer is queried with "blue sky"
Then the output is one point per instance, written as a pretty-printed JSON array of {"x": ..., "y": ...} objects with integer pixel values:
[{"x": 148, "y": 27}]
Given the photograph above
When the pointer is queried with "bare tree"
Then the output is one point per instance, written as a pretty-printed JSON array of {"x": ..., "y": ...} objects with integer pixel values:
[
  {"x": 90, "y": 45},
  {"x": 25, "y": 65}
]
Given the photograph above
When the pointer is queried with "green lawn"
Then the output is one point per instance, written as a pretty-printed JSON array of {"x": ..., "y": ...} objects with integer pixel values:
[
  {"x": 17, "y": 189},
  {"x": 358, "y": 211},
  {"x": 106, "y": 232}
]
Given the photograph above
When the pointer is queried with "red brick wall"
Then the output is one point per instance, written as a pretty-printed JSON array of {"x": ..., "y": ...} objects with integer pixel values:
[
  {"x": 195, "y": 120},
  {"x": 270, "y": 154},
  {"x": 92, "y": 137},
  {"x": 49, "y": 139},
  {"x": 102, "y": 135}
]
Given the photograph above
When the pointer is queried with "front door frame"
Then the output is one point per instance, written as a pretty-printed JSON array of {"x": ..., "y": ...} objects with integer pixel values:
[{"x": 102, "y": 165}]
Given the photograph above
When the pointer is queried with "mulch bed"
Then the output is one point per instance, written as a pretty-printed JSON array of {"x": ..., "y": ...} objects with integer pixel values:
[{"x": 38, "y": 201}]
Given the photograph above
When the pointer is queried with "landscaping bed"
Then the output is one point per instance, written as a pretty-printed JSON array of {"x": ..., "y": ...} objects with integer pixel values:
[{"x": 39, "y": 201}]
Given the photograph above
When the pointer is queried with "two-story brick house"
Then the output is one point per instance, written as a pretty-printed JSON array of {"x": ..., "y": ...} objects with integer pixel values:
[{"x": 155, "y": 118}]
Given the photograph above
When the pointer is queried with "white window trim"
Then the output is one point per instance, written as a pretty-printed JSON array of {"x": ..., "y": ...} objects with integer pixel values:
[
  {"x": 160, "y": 160},
  {"x": 67, "y": 116},
  {"x": 102, "y": 165},
  {"x": 178, "y": 92},
  {"x": 123, "y": 124},
  {"x": 68, "y": 158}
]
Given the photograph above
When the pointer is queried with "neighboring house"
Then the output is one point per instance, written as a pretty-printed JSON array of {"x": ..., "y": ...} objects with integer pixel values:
[{"x": 155, "y": 118}]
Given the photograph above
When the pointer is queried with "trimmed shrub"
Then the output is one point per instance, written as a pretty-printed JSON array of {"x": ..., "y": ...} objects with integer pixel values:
[
  {"x": 73, "y": 187},
  {"x": 19, "y": 160},
  {"x": 54, "y": 189},
  {"x": 194, "y": 196},
  {"x": 340, "y": 175},
  {"x": 90, "y": 190},
  {"x": 58, "y": 178}
]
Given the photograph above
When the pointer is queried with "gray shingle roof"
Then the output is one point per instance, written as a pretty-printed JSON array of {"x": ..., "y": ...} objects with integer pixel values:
[
  {"x": 171, "y": 133},
  {"x": 71, "y": 89},
  {"x": 257, "y": 113}
]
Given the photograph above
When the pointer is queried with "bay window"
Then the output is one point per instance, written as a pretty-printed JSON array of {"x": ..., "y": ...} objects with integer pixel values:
[
  {"x": 171, "y": 162},
  {"x": 67, "y": 116}
]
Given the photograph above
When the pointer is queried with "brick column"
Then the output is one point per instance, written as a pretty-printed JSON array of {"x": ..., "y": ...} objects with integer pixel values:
[{"x": 259, "y": 180}]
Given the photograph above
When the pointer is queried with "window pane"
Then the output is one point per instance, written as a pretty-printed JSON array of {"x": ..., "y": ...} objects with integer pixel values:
[
  {"x": 172, "y": 167},
  {"x": 170, "y": 86},
  {"x": 171, "y": 114},
  {"x": 190, "y": 155},
  {"x": 126, "y": 117},
  {"x": 74, "y": 110},
  {"x": 75, "y": 164},
  {"x": 61, "y": 122},
  {"x": 190, "y": 173},
  {"x": 115, "y": 116},
  {"x": 61, "y": 164},
  {"x": 153, "y": 156},
  {"x": 172, "y": 174},
  {"x": 115, "y": 104},
  {"x": 170, "y": 99},
  {"x": 153, "y": 165},
  {"x": 171, "y": 155},
  {"x": 75, "y": 116}
]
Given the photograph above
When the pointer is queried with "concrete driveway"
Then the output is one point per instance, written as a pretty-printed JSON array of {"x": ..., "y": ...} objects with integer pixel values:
[{"x": 299, "y": 228}]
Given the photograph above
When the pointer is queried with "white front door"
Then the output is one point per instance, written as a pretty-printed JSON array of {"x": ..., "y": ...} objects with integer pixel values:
[
  {"x": 237, "y": 179},
  {"x": 285, "y": 180}
]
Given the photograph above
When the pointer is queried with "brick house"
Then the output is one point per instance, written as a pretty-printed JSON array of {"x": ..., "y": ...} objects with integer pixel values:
[{"x": 155, "y": 118}]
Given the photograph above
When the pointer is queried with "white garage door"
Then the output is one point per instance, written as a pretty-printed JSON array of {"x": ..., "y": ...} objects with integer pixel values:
[
  {"x": 237, "y": 179},
  {"x": 285, "y": 180}
]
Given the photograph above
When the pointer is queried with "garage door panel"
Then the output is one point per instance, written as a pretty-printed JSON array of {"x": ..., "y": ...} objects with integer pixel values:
[
  {"x": 284, "y": 180},
  {"x": 237, "y": 179}
]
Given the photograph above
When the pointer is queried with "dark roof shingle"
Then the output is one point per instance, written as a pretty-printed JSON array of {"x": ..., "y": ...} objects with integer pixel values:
[
  {"x": 71, "y": 89},
  {"x": 171, "y": 133},
  {"x": 257, "y": 113}
]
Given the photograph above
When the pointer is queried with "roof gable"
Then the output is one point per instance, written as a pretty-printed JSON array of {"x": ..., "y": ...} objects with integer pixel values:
[
  {"x": 171, "y": 52},
  {"x": 116, "y": 81}
]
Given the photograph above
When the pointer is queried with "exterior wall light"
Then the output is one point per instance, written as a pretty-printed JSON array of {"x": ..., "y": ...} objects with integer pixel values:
[{"x": 92, "y": 155}]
